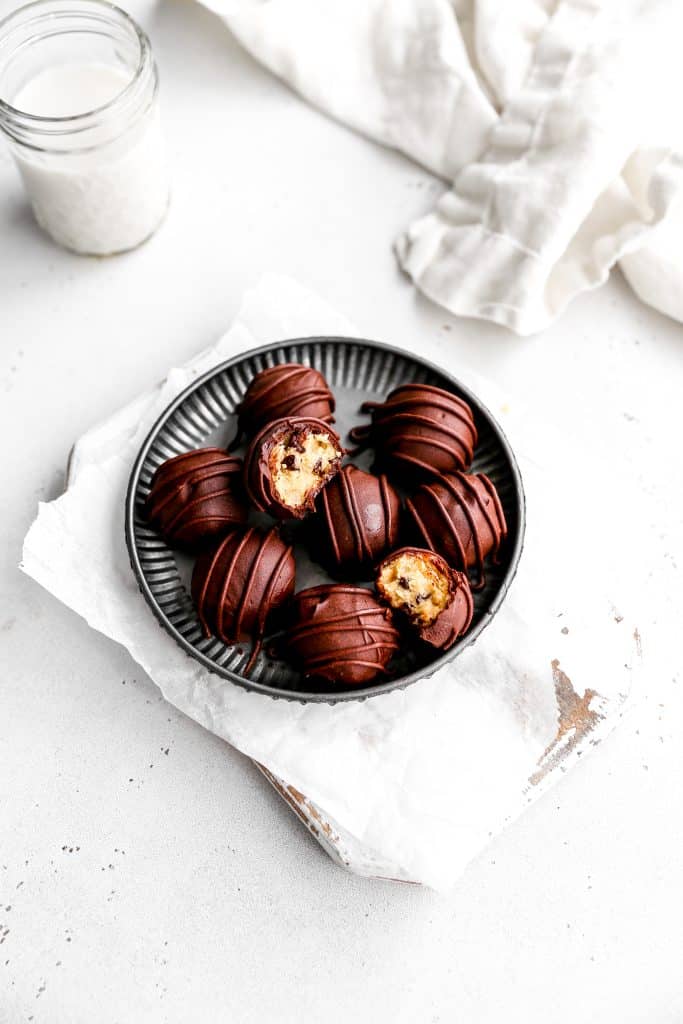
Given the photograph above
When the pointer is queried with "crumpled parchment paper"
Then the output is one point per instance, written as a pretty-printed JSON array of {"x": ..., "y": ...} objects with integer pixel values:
[{"x": 423, "y": 778}]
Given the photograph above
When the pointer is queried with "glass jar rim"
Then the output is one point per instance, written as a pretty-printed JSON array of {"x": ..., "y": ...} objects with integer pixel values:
[{"x": 73, "y": 122}]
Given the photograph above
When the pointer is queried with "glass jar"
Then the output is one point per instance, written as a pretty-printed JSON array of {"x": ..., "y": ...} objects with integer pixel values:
[{"x": 79, "y": 107}]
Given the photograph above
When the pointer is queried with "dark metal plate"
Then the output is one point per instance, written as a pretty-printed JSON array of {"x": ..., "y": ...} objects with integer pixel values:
[{"x": 203, "y": 414}]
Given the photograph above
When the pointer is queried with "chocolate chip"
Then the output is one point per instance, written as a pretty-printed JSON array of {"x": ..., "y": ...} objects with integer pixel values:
[
  {"x": 419, "y": 599},
  {"x": 289, "y": 462},
  {"x": 403, "y": 582},
  {"x": 296, "y": 443},
  {"x": 318, "y": 468}
]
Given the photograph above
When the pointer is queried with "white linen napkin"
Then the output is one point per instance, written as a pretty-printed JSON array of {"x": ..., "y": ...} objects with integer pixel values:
[
  {"x": 421, "y": 778},
  {"x": 557, "y": 122}
]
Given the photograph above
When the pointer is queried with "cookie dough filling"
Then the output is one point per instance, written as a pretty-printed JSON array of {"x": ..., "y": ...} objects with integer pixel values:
[
  {"x": 300, "y": 464},
  {"x": 413, "y": 583}
]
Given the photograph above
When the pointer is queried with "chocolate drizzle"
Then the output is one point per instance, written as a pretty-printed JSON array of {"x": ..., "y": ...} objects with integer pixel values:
[
  {"x": 358, "y": 520},
  {"x": 196, "y": 496},
  {"x": 258, "y": 470},
  {"x": 454, "y": 620},
  {"x": 341, "y": 634},
  {"x": 461, "y": 518},
  {"x": 237, "y": 586},
  {"x": 420, "y": 430},
  {"x": 290, "y": 389}
]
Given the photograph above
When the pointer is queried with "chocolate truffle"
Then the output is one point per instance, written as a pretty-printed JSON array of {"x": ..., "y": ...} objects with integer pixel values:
[
  {"x": 196, "y": 497},
  {"x": 419, "y": 431},
  {"x": 341, "y": 634},
  {"x": 435, "y": 599},
  {"x": 358, "y": 523},
  {"x": 461, "y": 518},
  {"x": 237, "y": 585},
  {"x": 288, "y": 464},
  {"x": 279, "y": 391}
]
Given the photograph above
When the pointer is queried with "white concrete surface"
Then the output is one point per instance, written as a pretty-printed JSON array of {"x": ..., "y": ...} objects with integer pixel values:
[{"x": 147, "y": 872}]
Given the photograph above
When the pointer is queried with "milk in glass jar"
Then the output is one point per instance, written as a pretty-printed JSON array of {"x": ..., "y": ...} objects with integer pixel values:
[{"x": 79, "y": 107}]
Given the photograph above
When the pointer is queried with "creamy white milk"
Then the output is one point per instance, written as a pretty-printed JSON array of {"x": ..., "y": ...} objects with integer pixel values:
[
  {"x": 109, "y": 194},
  {"x": 69, "y": 89}
]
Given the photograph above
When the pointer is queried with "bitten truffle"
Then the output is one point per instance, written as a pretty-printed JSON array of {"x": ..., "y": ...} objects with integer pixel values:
[
  {"x": 341, "y": 634},
  {"x": 358, "y": 523},
  {"x": 461, "y": 518},
  {"x": 280, "y": 391},
  {"x": 240, "y": 583},
  {"x": 418, "y": 432},
  {"x": 435, "y": 599},
  {"x": 196, "y": 497},
  {"x": 289, "y": 463}
]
